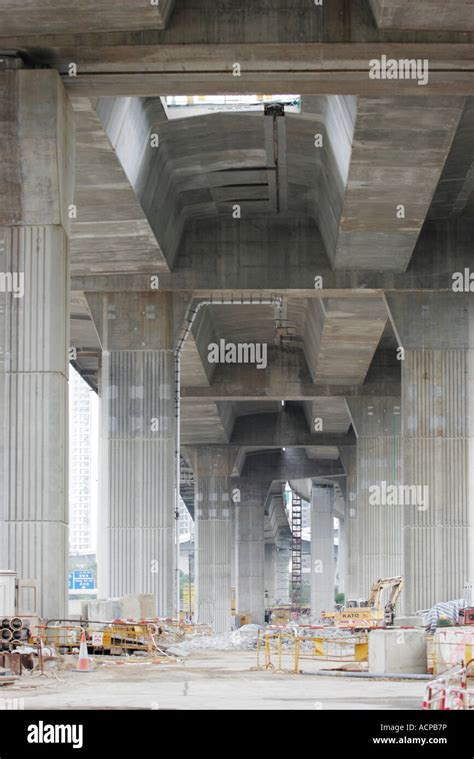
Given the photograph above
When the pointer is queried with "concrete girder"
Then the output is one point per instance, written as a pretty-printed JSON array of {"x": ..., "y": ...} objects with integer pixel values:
[
  {"x": 61, "y": 17},
  {"x": 456, "y": 15},
  {"x": 307, "y": 68},
  {"x": 202, "y": 174},
  {"x": 202, "y": 422},
  {"x": 249, "y": 23},
  {"x": 176, "y": 180},
  {"x": 354, "y": 328},
  {"x": 287, "y": 465},
  {"x": 336, "y": 118},
  {"x": 330, "y": 413},
  {"x": 285, "y": 429},
  {"x": 455, "y": 188},
  {"x": 400, "y": 146},
  {"x": 219, "y": 259},
  {"x": 285, "y": 378},
  {"x": 110, "y": 230}
]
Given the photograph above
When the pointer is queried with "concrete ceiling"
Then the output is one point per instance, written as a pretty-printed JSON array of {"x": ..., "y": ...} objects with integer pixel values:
[{"x": 168, "y": 211}]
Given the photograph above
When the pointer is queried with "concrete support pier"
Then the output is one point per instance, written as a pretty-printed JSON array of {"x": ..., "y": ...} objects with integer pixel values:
[
  {"x": 437, "y": 332},
  {"x": 351, "y": 524},
  {"x": 342, "y": 557},
  {"x": 270, "y": 573},
  {"x": 251, "y": 549},
  {"x": 36, "y": 186},
  {"x": 214, "y": 514},
  {"x": 322, "y": 550},
  {"x": 376, "y": 546},
  {"x": 282, "y": 580},
  {"x": 137, "y": 446}
]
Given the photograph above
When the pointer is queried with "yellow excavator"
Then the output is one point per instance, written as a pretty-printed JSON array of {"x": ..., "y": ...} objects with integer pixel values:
[{"x": 370, "y": 613}]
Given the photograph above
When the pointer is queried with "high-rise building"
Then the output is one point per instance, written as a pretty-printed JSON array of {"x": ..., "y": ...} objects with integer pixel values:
[{"x": 81, "y": 483}]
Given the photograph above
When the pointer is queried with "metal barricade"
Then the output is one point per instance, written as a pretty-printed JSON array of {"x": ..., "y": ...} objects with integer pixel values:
[
  {"x": 451, "y": 652},
  {"x": 343, "y": 648},
  {"x": 449, "y": 692},
  {"x": 275, "y": 645}
]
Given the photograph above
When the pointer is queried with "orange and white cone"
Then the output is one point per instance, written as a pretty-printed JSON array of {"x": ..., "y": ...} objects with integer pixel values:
[{"x": 83, "y": 661}]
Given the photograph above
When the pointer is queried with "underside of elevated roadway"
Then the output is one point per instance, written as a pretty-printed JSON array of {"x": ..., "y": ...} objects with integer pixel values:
[{"x": 260, "y": 292}]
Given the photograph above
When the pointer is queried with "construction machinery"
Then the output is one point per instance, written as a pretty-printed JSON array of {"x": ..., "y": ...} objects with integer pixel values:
[
  {"x": 286, "y": 613},
  {"x": 370, "y": 612}
]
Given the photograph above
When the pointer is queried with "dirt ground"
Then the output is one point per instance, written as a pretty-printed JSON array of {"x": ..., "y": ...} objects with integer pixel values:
[{"x": 206, "y": 680}]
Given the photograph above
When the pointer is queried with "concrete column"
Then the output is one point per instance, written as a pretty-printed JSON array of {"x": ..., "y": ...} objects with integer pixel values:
[
  {"x": 251, "y": 549},
  {"x": 379, "y": 514},
  {"x": 282, "y": 579},
  {"x": 322, "y": 550},
  {"x": 437, "y": 333},
  {"x": 214, "y": 511},
  {"x": 270, "y": 573},
  {"x": 36, "y": 185},
  {"x": 342, "y": 557},
  {"x": 136, "y": 551},
  {"x": 351, "y": 524}
]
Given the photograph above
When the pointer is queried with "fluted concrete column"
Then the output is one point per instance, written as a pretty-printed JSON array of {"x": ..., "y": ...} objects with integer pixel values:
[
  {"x": 322, "y": 550},
  {"x": 36, "y": 185},
  {"x": 437, "y": 332},
  {"x": 136, "y": 547},
  {"x": 270, "y": 573},
  {"x": 251, "y": 549},
  {"x": 282, "y": 581},
  {"x": 353, "y": 580},
  {"x": 214, "y": 513},
  {"x": 342, "y": 557},
  {"x": 379, "y": 512}
]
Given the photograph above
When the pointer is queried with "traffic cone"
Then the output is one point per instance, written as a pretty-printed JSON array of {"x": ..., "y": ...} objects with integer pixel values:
[{"x": 83, "y": 661}]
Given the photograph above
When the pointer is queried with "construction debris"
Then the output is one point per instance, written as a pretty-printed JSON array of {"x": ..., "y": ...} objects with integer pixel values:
[{"x": 243, "y": 639}]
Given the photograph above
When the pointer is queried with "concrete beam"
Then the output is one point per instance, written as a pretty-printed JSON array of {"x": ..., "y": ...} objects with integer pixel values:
[
  {"x": 250, "y": 22},
  {"x": 285, "y": 378},
  {"x": 286, "y": 429},
  {"x": 400, "y": 146},
  {"x": 18, "y": 18},
  {"x": 292, "y": 464},
  {"x": 455, "y": 15},
  {"x": 341, "y": 338},
  {"x": 151, "y": 70},
  {"x": 111, "y": 230}
]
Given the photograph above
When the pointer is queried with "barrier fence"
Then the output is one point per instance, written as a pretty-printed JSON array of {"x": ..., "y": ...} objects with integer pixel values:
[
  {"x": 449, "y": 692},
  {"x": 282, "y": 650}
]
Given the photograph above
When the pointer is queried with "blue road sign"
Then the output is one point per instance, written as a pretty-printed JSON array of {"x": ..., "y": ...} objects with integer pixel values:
[{"x": 81, "y": 579}]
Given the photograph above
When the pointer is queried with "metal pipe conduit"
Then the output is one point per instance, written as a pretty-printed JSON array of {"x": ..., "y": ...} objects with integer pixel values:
[{"x": 368, "y": 675}]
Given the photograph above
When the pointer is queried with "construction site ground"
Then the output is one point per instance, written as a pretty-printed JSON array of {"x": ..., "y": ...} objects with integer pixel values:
[{"x": 207, "y": 680}]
